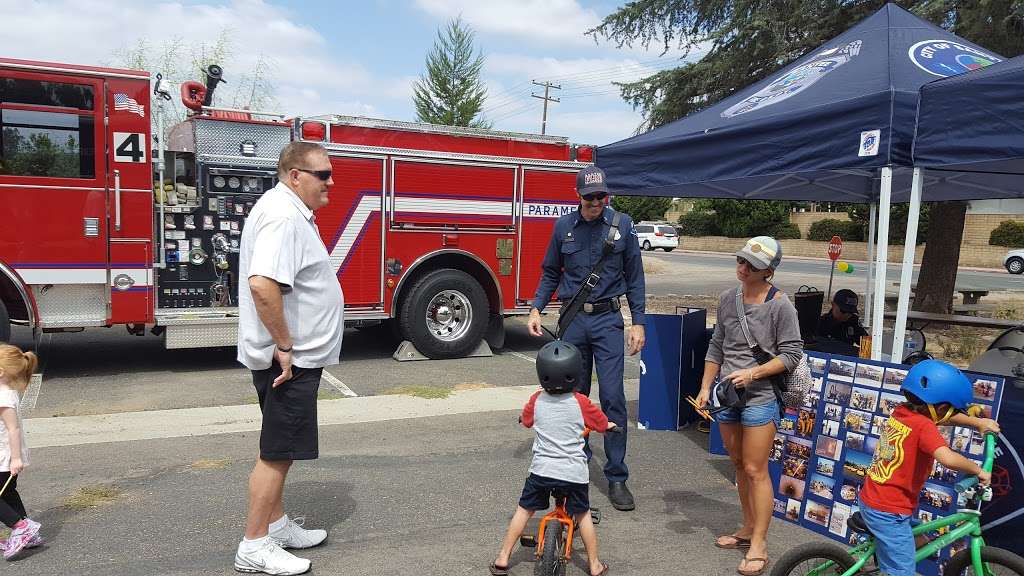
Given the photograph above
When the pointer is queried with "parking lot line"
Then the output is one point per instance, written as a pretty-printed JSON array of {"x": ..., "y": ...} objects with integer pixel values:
[
  {"x": 523, "y": 356},
  {"x": 32, "y": 393},
  {"x": 338, "y": 385}
]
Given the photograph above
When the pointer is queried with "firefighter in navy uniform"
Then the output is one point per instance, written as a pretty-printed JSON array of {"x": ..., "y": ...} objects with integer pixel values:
[
  {"x": 598, "y": 330},
  {"x": 841, "y": 323}
]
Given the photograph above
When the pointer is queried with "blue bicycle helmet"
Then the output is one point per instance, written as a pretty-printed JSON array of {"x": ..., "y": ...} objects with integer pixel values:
[{"x": 935, "y": 382}]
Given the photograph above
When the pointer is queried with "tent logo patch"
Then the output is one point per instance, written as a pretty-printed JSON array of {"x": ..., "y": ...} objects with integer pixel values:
[
  {"x": 945, "y": 58},
  {"x": 796, "y": 80},
  {"x": 869, "y": 143}
]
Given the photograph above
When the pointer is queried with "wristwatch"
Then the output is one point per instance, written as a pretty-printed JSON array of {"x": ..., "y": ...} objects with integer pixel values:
[{"x": 288, "y": 349}]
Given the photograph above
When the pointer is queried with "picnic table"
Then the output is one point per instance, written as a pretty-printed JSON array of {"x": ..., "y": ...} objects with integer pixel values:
[
  {"x": 971, "y": 296},
  {"x": 921, "y": 320}
]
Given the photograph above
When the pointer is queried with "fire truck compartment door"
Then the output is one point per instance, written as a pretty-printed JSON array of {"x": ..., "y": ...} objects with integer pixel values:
[
  {"x": 352, "y": 228},
  {"x": 129, "y": 201},
  {"x": 443, "y": 194}
]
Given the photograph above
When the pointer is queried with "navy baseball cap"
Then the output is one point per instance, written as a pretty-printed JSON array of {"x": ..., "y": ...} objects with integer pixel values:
[
  {"x": 846, "y": 300},
  {"x": 591, "y": 180}
]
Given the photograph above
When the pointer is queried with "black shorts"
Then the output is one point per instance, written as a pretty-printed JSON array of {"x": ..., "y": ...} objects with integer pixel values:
[
  {"x": 289, "y": 413},
  {"x": 537, "y": 494}
]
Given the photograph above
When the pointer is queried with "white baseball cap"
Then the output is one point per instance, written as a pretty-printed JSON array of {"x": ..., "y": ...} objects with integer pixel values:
[{"x": 762, "y": 252}]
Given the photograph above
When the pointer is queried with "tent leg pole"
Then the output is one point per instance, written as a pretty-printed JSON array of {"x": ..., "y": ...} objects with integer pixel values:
[
  {"x": 870, "y": 265},
  {"x": 909, "y": 249},
  {"x": 881, "y": 263}
]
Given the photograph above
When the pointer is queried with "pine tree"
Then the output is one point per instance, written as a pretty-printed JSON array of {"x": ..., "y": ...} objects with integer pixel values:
[
  {"x": 746, "y": 40},
  {"x": 451, "y": 92}
]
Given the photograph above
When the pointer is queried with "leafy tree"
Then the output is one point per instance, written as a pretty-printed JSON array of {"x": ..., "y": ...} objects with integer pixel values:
[
  {"x": 746, "y": 218},
  {"x": 860, "y": 214},
  {"x": 746, "y": 40},
  {"x": 248, "y": 88},
  {"x": 451, "y": 92},
  {"x": 642, "y": 208}
]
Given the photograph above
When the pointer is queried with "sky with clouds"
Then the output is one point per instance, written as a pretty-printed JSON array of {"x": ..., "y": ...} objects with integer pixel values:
[{"x": 362, "y": 57}]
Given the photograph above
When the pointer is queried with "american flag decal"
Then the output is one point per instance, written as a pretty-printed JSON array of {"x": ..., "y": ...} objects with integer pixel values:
[{"x": 123, "y": 102}]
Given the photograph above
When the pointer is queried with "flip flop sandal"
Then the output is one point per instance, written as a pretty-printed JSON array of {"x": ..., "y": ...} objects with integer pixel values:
[
  {"x": 498, "y": 570},
  {"x": 736, "y": 544},
  {"x": 603, "y": 572},
  {"x": 759, "y": 571}
]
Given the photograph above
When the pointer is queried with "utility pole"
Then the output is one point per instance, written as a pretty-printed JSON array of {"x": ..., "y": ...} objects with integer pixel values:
[{"x": 547, "y": 86}]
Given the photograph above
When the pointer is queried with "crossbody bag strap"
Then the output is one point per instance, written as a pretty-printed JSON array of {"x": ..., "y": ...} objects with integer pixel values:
[
  {"x": 756, "y": 350},
  {"x": 592, "y": 279},
  {"x": 742, "y": 313}
]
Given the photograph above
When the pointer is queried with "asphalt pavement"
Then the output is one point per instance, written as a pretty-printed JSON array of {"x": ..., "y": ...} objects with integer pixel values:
[{"x": 425, "y": 496}]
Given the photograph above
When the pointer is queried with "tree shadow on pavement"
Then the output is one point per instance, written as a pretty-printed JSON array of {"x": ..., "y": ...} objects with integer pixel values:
[
  {"x": 324, "y": 504},
  {"x": 700, "y": 513}
]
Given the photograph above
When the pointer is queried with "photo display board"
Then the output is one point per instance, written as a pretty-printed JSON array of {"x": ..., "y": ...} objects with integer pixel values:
[{"x": 822, "y": 451}]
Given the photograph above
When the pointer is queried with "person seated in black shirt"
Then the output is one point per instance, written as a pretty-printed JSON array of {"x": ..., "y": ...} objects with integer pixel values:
[{"x": 841, "y": 324}]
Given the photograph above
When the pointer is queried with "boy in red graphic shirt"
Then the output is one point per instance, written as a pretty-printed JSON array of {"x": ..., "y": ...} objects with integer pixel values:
[
  {"x": 559, "y": 416},
  {"x": 937, "y": 393}
]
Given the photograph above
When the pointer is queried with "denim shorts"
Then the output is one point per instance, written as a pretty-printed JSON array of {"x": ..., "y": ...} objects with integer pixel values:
[
  {"x": 751, "y": 416},
  {"x": 894, "y": 540}
]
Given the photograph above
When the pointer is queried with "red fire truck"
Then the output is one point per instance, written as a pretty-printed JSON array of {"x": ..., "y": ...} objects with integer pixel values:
[{"x": 437, "y": 230}]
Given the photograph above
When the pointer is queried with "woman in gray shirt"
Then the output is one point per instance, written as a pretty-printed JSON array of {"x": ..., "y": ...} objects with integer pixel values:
[{"x": 748, "y": 432}]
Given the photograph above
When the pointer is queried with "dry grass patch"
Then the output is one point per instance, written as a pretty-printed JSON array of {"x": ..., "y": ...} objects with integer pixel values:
[
  {"x": 210, "y": 464},
  {"x": 92, "y": 497},
  {"x": 652, "y": 266},
  {"x": 472, "y": 386}
]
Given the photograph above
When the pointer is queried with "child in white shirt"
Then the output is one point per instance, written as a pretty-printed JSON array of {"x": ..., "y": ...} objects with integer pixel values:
[{"x": 16, "y": 368}]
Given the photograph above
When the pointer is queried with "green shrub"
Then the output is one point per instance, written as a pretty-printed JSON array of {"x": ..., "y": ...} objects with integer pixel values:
[
  {"x": 1009, "y": 233},
  {"x": 824, "y": 230},
  {"x": 698, "y": 224},
  {"x": 788, "y": 231}
]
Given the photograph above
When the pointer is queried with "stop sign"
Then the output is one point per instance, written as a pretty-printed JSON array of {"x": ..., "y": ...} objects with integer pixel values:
[{"x": 835, "y": 248}]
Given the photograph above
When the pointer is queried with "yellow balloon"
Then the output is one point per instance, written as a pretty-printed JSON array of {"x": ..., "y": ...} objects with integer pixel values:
[{"x": 845, "y": 267}]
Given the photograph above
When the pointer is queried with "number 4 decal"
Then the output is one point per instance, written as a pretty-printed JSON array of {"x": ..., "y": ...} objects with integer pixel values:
[{"x": 129, "y": 147}]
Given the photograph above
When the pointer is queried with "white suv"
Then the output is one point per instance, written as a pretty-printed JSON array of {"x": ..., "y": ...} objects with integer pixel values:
[
  {"x": 653, "y": 235},
  {"x": 1013, "y": 261}
]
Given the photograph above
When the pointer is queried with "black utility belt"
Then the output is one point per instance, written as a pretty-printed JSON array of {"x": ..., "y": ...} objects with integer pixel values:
[{"x": 601, "y": 306}]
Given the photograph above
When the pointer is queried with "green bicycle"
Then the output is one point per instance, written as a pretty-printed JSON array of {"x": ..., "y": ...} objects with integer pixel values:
[{"x": 824, "y": 559}]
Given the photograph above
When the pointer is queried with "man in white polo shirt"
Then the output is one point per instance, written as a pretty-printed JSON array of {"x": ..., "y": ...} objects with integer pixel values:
[{"x": 290, "y": 326}]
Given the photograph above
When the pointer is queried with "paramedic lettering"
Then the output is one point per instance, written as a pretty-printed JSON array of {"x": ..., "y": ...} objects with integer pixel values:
[{"x": 548, "y": 210}]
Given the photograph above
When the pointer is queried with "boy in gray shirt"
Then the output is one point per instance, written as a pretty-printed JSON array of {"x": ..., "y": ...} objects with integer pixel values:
[{"x": 559, "y": 417}]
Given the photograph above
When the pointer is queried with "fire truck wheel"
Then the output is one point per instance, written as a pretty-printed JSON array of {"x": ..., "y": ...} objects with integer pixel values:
[
  {"x": 445, "y": 314},
  {"x": 5, "y": 324}
]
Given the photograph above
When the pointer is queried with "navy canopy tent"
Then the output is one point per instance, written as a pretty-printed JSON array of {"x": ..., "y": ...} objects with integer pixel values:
[
  {"x": 969, "y": 138},
  {"x": 974, "y": 122},
  {"x": 837, "y": 125},
  {"x": 820, "y": 129}
]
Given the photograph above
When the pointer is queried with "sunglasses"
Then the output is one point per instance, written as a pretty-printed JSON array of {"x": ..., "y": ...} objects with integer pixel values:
[
  {"x": 595, "y": 196},
  {"x": 324, "y": 175},
  {"x": 741, "y": 261}
]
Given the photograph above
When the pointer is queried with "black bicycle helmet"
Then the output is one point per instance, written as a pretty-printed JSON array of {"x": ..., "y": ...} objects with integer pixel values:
[{"x": 558, "y": 367}]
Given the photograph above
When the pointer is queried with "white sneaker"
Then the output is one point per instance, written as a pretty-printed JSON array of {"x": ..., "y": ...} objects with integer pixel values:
[
  {"x": 270, "y": 559},
  {"x": 20, "y": 538},
  {"x": 293, "y": 535}
]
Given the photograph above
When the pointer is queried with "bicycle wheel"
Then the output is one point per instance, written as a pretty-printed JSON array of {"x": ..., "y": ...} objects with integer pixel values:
[
  {"x": 998, "y": 562},
  {"x": 552, "y": 558},
  {"x": 813, "y": 559}
]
